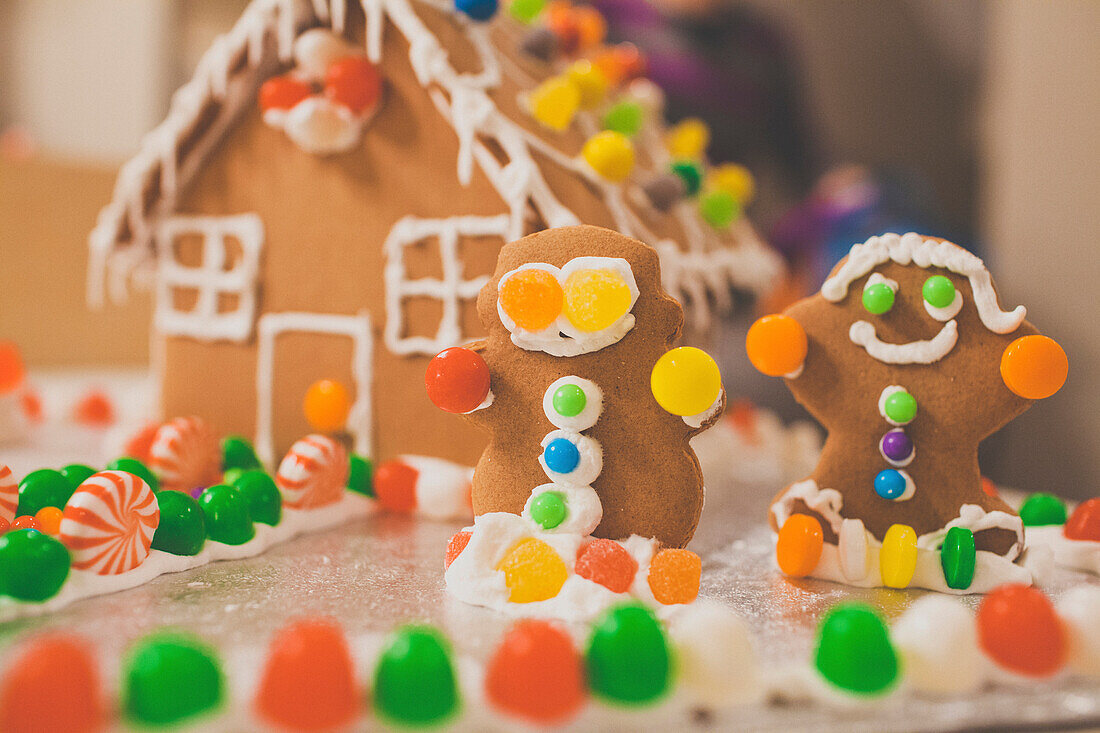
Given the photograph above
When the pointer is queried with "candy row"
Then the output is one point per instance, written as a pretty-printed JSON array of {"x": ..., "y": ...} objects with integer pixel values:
[{"x": 1041, "y": 510}]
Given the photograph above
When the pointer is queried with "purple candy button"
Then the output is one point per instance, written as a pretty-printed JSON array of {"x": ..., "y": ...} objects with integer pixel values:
[{"x": 896, "y": 445}]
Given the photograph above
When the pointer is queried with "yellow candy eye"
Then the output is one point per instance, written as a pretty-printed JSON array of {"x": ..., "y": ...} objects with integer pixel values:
[
  {"x": 595, "y": 299},
  {"x": 686, "y": 381}
]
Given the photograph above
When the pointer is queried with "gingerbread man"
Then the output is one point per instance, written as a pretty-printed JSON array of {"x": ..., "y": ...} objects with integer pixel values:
[
  {"x": 909, "y": 361},
  {"x": 589, "y": 407}
]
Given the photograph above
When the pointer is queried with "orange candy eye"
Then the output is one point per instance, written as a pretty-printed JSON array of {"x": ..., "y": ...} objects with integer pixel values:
[
  {"x": 1034, "y": 367},
  {"x": 532, "y": 298},
  {"x": 776, "y": 345}
]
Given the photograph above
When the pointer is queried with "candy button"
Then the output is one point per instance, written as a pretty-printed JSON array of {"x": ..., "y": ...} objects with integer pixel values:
[
  {"x": 171, "y": 677},
  {"x": 1084, "y": 524},
  {"x": 554, "y": 102},
  {"x": 938, "y": 291},
  {"x": 42, "y": 488},
  {"x": 361, "y": 475},
  {"x": 569, "y": 400},
  {"x": 12, "y": 371},
  {"x": 898, "y": 556},
  {"x": 799, "y": 544},
  {"x": 182, "y": 528},
  {"x": 455, "y": 547},
  {"x": 283, "y": 92},
  {"x": 265, "y": 503},
  {"x": 395, "y": 486},
  {"x": 899, "y": 407},
  {"x": 896, "y": 447},
  {"x": 891, "y": 484},
  {"x": 735, "y": 179},
  {"x": 590, "y": 81},
  {"x": 477, "y": 9},
  {"x": 1034, "y": 367},
  {"x": 610, "y": 154},
  {"x": 688, "y": 138},
  {"x": 536, "y": 674},
  {"x": 525, "y": 11},
  {"x": 596, "y": 299},
  {"x": 685, "y": 381},
  {"x": 52, "y": 685},
  {"x": 226, "y": 515},
  {"x": 854, "y": 550},
  {"x": 561, "y": 455},
  {"x": 76, "y": 473},
  {"x": 674, "y": 576},
  {"x": 624, "y": 117},
  {"x": 719, "y": 208},
  {"x": 776, "y": 345},
  {"x": 33, "y": 566},
  {"x": 690, "y": 173},
  {"x": 628, "y": 657},
  {"x": 854, "y": 651},
  {"x": 533, "y": 571},
  {"x": 457, "y": 380},
  {"x": 958, "y": 557},
  {"x": 608, "y": 563},
  {"x": 414, "y": 682},
  {"x": 878, "y": 298},
  {"x": 548, "y": 509},
  {"x": 1019, "y": 630},
  {"x": 326, "y": 405},
  {"x": 136, "y": 467},
  {"x": 49, "y": 520},
  {"x": 1042, "y": 509}
]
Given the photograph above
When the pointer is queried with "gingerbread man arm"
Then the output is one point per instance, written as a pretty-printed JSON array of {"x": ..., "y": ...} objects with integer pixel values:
[{"x": 458, "y": 381}]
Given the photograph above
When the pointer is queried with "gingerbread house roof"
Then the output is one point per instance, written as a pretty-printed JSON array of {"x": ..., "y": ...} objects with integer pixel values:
[{"x": 701, "y": 269}]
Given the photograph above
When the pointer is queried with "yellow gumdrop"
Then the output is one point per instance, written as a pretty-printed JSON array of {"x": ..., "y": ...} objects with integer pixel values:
[
  {"x": 554, "y": 102},
  {"x": 611, "y": 154},
  {"x": 590, "y": 82},
  {"x": 533, "y": 571},
  {"x": 688, "y": 139},
  {"x": 595, "y": 299},
  {"x": 898, "y": 556},
  {"x": 686, "y": 381},
  {"x": 736, "y": 180}
]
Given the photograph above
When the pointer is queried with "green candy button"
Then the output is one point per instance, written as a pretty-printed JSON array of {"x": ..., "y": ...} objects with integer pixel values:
[
  {"x": 548, "y": 509},
  {"x": 624, "y": 117},
  {"x": 414, "y": 682},
  {"x": 938, "y": 291},
  {"x": 182, "y": 528},
  {"x": 265, "y": 503},
  {"x": 1043, "y": 509},
  {"x": 361, "y": 475},
  {"x": 900, "y": 407},
  {"x": 77, "y": 473},
  {"x": 569, "y": 400},
  {"x": 690, "y": 173},
  {"x": 878, "y": 298},
  {"x": 628, "y": 657},
  {"x": 42, "y": 488},
  {"x": 171, "y": 677},
  {"x": 136, "y": 467},
  {"x": 225, "y": 511},
  {"x": 33, "y": 566},
  {"x": 719, "y": 208},
  {"x": 238, "y": 453},
  {"x": 958, "y": 557},
  {"x": 854, "y": 651}
]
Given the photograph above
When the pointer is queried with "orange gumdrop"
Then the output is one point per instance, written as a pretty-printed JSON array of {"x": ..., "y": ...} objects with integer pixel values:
[
  {"x": 326, "y": 405},
  {"x": 608, "y": 563},
  {"x": 25, "y": 522},
  {"x": 776, "y": 345},
  {"x": 674, "y": 576},
  {"x": 798, "y": 547},
  {"x": 1019, "y": 629},
  {"x": 1084, "y": 523},
  {"x": 53, "y": 685},
  {"x": 12, "y": 371},
  {"x": 591, "y": 26},
  {"x": 532, "y": 298},
  {"x": 1034, "y": 367},
  {"x": 49, "y": 520},
  {"x": 455, "y": 547},
  {"x": 536, "y": 674},
  {"x": 395, "y": 486}
]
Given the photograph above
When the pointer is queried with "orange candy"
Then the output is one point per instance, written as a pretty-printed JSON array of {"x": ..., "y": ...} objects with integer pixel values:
[
  {"x": 395, "y": 486},
  {"x": 532, "y": 298},
  {"x": 533, "y": 571},
  {"x": 25, "y": 522},
  {"x": 608, "y": 563},
  {"x": 455, "y": 547},
  {"x": 326, "y": 405},
  {"x": 536, "y": 674},
  {"x": 31, "y": 403},
  {"x": 776, "y": 345},
  {"x": 94, "y": 409},
  {"x": 1034, "y": 367},
  {"x": 798, "y": 547},
  {"x": 1084, "y": 523},
  {"x": 12, "y": 371},
  {"x": 53, "y": 685},
  {"x": 989, "y": 488},
  {"x": 138, "y": 445},
  {"x": 591, "y": 26},
  {"x": 1019, "y": 629},
  {"x": 674, "y": 576},
  {"x": 49, "y": 520},
  {"x": 563, "y": 23}
]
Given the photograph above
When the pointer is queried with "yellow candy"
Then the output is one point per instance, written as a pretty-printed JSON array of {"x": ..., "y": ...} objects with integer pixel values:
[
  {"x": 611, "y": 154},
  {"x": 595, "y": 299},
  {"x": 533, "y": 571},
  {"x": 898, "y": 556},
  {"x": 686, "y": 381},
  {"x": 326, "y": 405},
  {"x": 688, "y": 139},
  {"x": 590, "y": 82},
  {"x": 734, "y": 179},
  {"x": 554, "y": 102}
]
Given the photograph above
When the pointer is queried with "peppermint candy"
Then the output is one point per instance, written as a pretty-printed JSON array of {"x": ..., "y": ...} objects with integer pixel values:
[
  {"x": 9, "y": 493},
  {"x": 185, "y": 455},
  {"x": 109, "y": 521},
  {"x": 313, "y": 473}
]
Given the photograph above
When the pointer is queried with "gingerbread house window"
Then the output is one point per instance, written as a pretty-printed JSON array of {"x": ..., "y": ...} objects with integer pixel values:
[
  {"x": 207, "y": 270},
  {"x": 437, "y": 294}
]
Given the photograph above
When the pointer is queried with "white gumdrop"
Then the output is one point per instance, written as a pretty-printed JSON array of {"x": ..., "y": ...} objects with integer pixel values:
[
  {"x": 320, "y": 126},
  {"x": 716, "y": 661},
  {"x": 938, "y": 642},
  {"x": 1079, "y": 609},
  {"x": 316, "y": 49}
]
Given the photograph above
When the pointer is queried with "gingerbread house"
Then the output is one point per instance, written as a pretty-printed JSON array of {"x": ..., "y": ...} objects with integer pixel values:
[{"x": 330, "y": 191}]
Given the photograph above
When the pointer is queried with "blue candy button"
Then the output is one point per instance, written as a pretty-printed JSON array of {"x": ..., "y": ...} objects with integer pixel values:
[
  {"x": 889, "y": 484},
  {"x": 561, "y": 456}
]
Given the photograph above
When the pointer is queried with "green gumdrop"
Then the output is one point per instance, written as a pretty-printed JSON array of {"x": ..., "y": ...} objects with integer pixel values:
[
  {"x": 77, "y": 473},
  {"x": 690, "y": 173},
  {"x": 239, "y": 453},
  {"x": 33, "y": 566},
  {"x": 548, "y": 509},
  {"x": 958, "y": 557},
  {"x": 1043, "y": 509},
  {"x": 719, "y": 208},
  {"x": 265, "y": 503},
  {"x": 361, "y": 475},
  {"x": 525, "y": 11},
  {"x": 182, "y": 528},
  {"x": 878, "y": 298},
  {"x": 624, "y": 117},
  {"x": 225, "y": 510},
  {"x": 414, "y": 682},
  {"x": 136, "y": 467},
  {"x": 854, "y": 650},
  {"x": 171, "y": 677},
  {"x": 42, "y": 488},
  {"x": 628, "y": 657},
  {"x": 938, "y": 291}
]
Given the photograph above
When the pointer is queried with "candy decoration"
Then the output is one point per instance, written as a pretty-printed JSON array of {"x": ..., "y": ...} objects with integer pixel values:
[
  {"x": 226, "y": 516},
  {"x": 265, "y": 503},
  {"x": 237, "y": 452},
  {"x": 136, "y": 467},
  {"x": 799, "y": 544},
  {"x": 33, "y": 566},
  {"x": 26, "y": 522},
  {"x": 1034, "y": 367},
  {"x": 569, "y": 400},
  {"x": 561, "y": 455},
  {"x": 688, "y": 139},
  {"x": 608, "y": 563},
  {"x": 533, "y": 571},
  {"x": 308, "y": 681},
  {"x": 9, "y": 494},
  {"x": 958, "y": 558},
  {"x": 891, "y": 484},
  {"x": 685, "y": 381},
  {"x": 854, "y": 651},
  {"x": 525, "y": 11},
  {"x": 591, "y": 26},
  {"x": 44, "y": 487},
  {"x": 12, "y": 371},
  {"x": 590, "y": 81},
  {"x": 414, "y": 682},
  {"x": 900, "y": 407},
  {"x": 395, "y": 486},
  {"x": 898, "y": 556},
  {"x": 109, "y": 522},
  {"x": 355, "y": 82},
  {"x": 554, "y": 102},
  {"x": 536, "y": 674},
  {"x": 313, "y": 473},
  {"x": 455, "y": 547},
  {"x": 719, "y": 209},
  {"x": 182, "y": 528},
  {"x": 185, "y": 455},
  {"x": 1042, "y": 509},
  {"x": 938, "y": 291},
  {"x": 548, "y": 509},
  {"x": 777, "y": 345},
  {"x": 171, "y": 677},
  {"x": 542, "y": 44},
  {"x": 138, "y": 444},
  {"x": 477, "y": 9},
  {"x": 49, "y": 520},
  {"x": 1019, "y": 630},
  {"x": 878, "y": 298},
  {"x": 457, "y": 379},
  {"x": 532, "y": 298},
  {"x": 735, "y": 179},
  {"x": 595, "y": 299},
  {"x": 628, "y": 658},
  {"x": 562, "y": 21},
  {"x": 30, "y": 402},
  {"x": 674, "y": 576},
  {"x": 610, "y": 154},
  {"x": 53, "y": 685},
  {"x": 283, "y": 92},
  {"x": 664, "y": 191},
  {"x": 690, "y": 173},
  {"x": 854, "y": 550},
  {"x": 5, "y": 525},
  {"x": 1084, "y": 523},
  {"x": 989, "y": 488},
  {"x": 896, "y": 447},
  {"x": 715, "y": 662},
  {"x": 360, "y": 475},
  {"x": 76, "y": 473},
  {"x": 94, "y": 409},
  {"x": 624, "y": 117}
]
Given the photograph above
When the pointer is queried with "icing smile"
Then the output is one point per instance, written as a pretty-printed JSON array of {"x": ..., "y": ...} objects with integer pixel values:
[{"x": 914, "y": 352}]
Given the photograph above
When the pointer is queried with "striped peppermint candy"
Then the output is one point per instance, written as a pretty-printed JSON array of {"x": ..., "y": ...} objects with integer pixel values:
[
  {"x": 109, "y": 521},
  {"x": 185, "y": 455},
  {"x": 9, "y": 493},
  {"x": 314, "y": 473}
]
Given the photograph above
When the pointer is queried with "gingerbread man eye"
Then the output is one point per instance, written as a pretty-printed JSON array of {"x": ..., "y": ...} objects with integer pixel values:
[
  {"x": 942, "y": 299},
  {"x": 878, "y": 294}
]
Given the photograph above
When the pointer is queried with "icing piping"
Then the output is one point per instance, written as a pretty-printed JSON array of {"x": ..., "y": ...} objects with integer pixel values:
[
  {"x": 862, "y": 333},
  {"x": 586, "y": 418},
  {"x": 878, "y": 277},
  {"x": 948, "y": 312}
]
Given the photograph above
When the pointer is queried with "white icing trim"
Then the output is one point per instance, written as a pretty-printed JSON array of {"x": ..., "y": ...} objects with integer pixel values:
[
  {"x": 826, "y": 502},
  {"x": 886, "y": 392},
  {"x": 588, "y": 467},
  {"x": 897, "y": 464},
  {"x": 945, "y": 314},
  {"x": 1077, "y": 554},
  {"x": 696, "y": 421},
  {"x": 586, "y": 418},
  {"x": 910, "y": 487},
  {"x": 862, "y": 333},
  {"x": 976, "y": 519},
  {"x": 877, "y": 277}
]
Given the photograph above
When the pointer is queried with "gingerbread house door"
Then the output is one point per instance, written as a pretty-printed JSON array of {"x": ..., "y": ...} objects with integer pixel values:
[{"x": 310, "y": 338}]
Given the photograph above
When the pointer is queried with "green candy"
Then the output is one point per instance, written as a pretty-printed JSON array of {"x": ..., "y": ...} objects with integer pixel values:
[
  {"x": 854, "y": 651},
  {"x": 624, "y": 117},
  {"x": 171, "y": 677},
  {"x": 77, "y": 473},
  {"x": 719, "y": 208},
  {"x": 958, "y": 556},
  {"x": 1043, "y": 509},
  {"x": 414, "y": 682},
  {"x": 525, "y": 11},
  {"x": 628, "y": 657},
  {"x": 690, "y": 173},
  {"x": 33, "y": 566},
  {"x": 230, "y": 475},
  {"x": 548, "y": 509},
  {"x": 878, "y": 298},
  {"x": 901, "y": 407},
  {"x": 182, "y": 528},
  {"x": 239, "y": 453},
  {"x": 938, "y": 291},
  {"x": 225, "y": 510},
  {"x": 42, "y": 488},
  {"x": 136, "y": 467},
  {"x": 569, "y": 400},
  {"x": 361, "y": 475},
  {"x": 265, "y": 503}
]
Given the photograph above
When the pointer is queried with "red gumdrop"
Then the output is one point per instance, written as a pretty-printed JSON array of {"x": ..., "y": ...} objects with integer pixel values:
[
  {"x": 53, "y": 686},
  {"x": 308, "y": 681},
  {"x": 457, "y": 380},
  {"x": 989, "y": 488},
  {"x": 1019, "y": 630},
  {"x": 283, "y": 92},
  {"x": 455, "y": 547},
  {"x": 94, "y": 409},
  {"x": 608, "y": 563},
  {"x": 1084, "y": 523},
  {"x": 138, "y": 445},
  {"x": 395, "y": 486},
  {"x": 536, "y": 674},
  {"x": 353, "y": 82},
  {"x": 25, "y": 522}
]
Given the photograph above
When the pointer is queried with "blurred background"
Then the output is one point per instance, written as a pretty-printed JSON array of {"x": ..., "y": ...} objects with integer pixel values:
[{"x": 972, "y": 120}]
